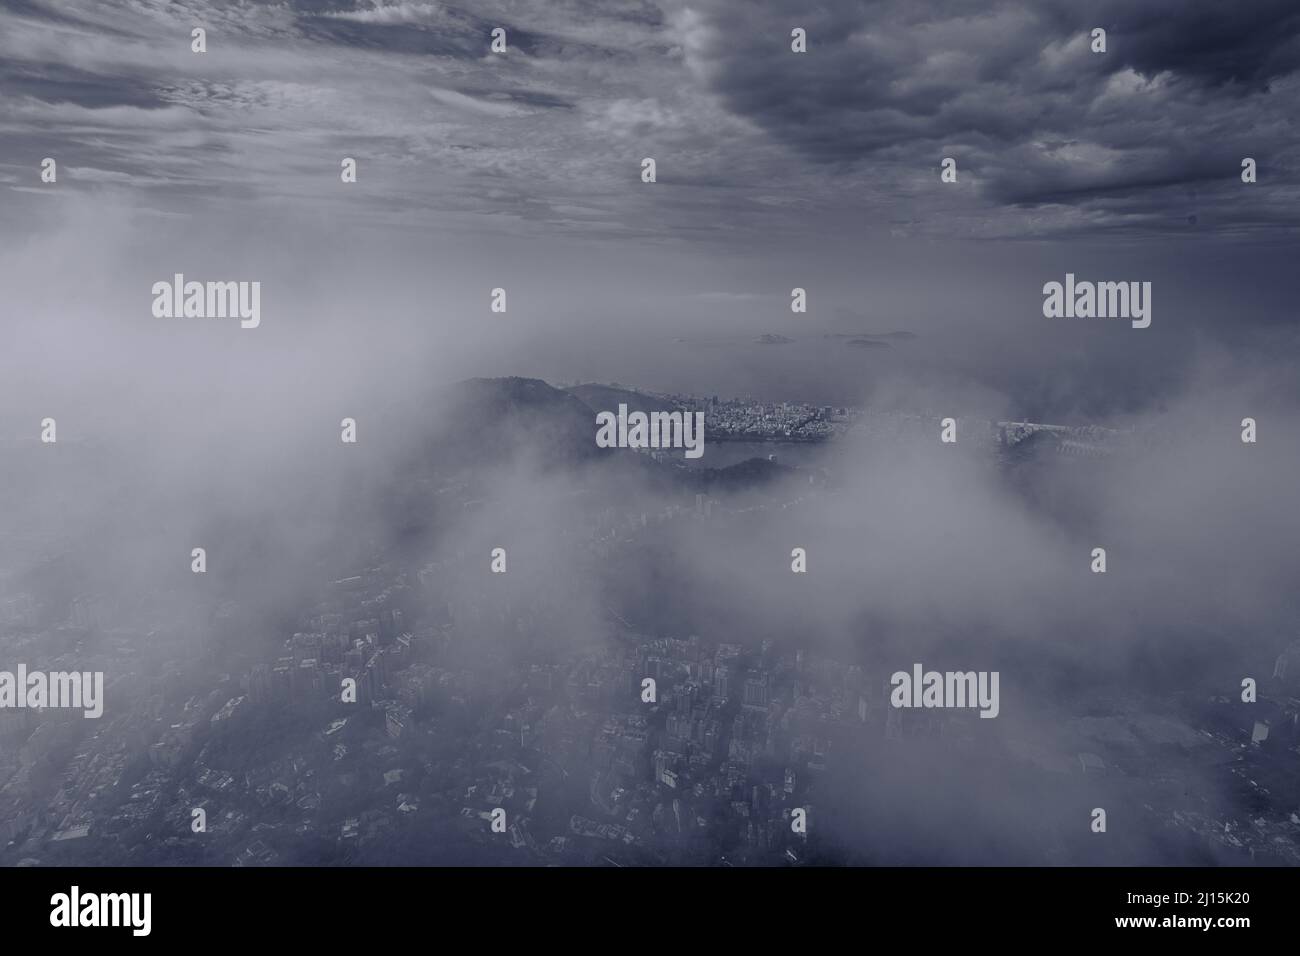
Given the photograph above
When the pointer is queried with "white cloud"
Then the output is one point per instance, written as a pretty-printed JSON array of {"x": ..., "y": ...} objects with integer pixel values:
[{"x": 393, "y": 13}]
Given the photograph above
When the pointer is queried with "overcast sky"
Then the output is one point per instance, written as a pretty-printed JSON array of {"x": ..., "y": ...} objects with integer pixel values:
[
  {"x": 775, "y": 169},
  {"x": 1049, "y": 137}
]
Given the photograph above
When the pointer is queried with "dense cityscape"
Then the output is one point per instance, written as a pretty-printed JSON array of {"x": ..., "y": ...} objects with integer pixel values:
[{"x": 411, "y": 714}]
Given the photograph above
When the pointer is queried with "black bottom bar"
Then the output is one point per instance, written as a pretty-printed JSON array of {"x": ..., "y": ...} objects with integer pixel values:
[{"x": 368, "y": 905}]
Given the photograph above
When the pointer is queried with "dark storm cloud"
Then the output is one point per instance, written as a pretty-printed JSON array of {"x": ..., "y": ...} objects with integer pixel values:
[
  {"x": 1014, "y": 93},
  {"x": 411, "y": 28},
  {"x": 57, "y": 83},
  {"x": 1219, "y": 44},
  {"x": 1049, "y": 138}
]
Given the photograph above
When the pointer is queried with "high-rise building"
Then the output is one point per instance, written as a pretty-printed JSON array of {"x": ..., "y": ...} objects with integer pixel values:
[{"x": 756, "y": 691}]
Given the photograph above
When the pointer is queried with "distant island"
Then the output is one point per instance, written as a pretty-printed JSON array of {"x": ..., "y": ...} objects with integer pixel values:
[
  {"x": 772, "y": 339},
  {"x": 882, "y": 338}
]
